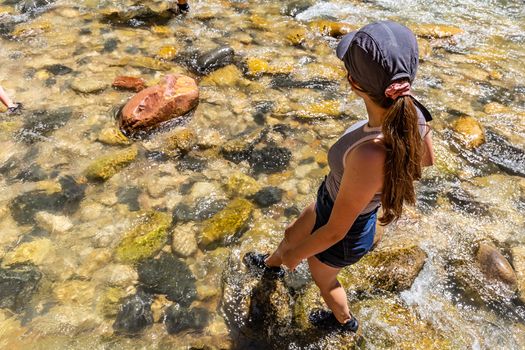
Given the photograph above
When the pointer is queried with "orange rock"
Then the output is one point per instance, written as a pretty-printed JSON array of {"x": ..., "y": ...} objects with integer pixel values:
[
  {"x": 173, "y": 97},
  {"x": 129, "y": 83}
]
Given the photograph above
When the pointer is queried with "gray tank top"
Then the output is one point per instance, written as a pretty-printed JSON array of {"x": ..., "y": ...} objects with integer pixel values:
[{"x": 354, "y": 136}]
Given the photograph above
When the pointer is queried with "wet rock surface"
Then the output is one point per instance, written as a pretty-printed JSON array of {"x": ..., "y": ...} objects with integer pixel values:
[
  {"x": 178, "y": 319},
  {"x": 129, "y": 83},
  {"x": 134, "y": 314},
  {"x": 170, "y": 276},
  {"x": 17, "y": 285},
  {"x": 177, "y": 95},
  {"x": 39, "y": 124},
  {"x": 214, "y": 59}
]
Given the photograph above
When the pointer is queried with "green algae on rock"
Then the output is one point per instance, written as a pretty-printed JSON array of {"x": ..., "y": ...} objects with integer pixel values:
[
  {"x": 145, "y": 239},
  {"x": 389, "y": 269},
  {"x": 109, "y": 302},
  {"x": 105, "y": 167},
  {"x": 243, "y": 185},
  {"x": 470, "y": 130},
  {"x": 226, "y": 224}
]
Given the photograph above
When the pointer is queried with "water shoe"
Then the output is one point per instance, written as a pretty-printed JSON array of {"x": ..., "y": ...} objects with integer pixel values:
[
  {"x": 255, "y": 263},
  {"x": 325, "y": 319}
]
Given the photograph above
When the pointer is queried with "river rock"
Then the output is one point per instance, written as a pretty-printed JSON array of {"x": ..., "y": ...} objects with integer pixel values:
[
  {"x": 494, "y": 265},
  {"x": 270, "y": 159},
  {"x": 178, "y": 142},
  {"x": 178, "y": 319},
  {"x": 115, "y": 275},
  {"x": 296, "y": 36},
  {"x": 134, "y": 314},
  {"x": 53, "y": 223},
  {"x": 228, "y": 76},
  {"x": 170, "y": 276},
  {"x": 17, "y": 285},
  {"x": 129, "y": 83},
  {"x": 88, "y": 85},
  {"x": 74, "y": 292},
  {"x": 331, "y": 28},
  {"x": 113, "y": 136},
  {"x": 268, "y": 196},
  {"x": 214, "y": 59},
  {"x": 26, "y": 6},
  {"x": 145, "y": 239},
  {"x": 240, "y": 184},
  {"x": 224, "y": 226},
  {"x": 518, "y": 261},
  {"x": 470, "y": 131},
  {"x": 37, "y": 251},
  {"x": 295, "y": 7},
  {"x": 435, "y": 30},
  {"x": 58, "y": 69},
  {"x": 66, "y": 320},
  {"x": 109, "y": 303},
  {"x": 388, "y": 269},
  {"x": 502, "y": 153},
  {"x": 175, "y": 96},
  {"x": 41, "y": 123},
  {"x": 106, "y": 166},
  {"x": 184, "y": 243},
  {"x": 140, "y": 13}
]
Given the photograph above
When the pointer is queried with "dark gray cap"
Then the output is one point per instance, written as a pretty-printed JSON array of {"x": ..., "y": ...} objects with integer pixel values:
[{"x": 379, "y": 54}]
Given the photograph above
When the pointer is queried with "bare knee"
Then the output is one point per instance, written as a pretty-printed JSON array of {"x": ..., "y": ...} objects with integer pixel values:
[{"x": 327, "y": 286}]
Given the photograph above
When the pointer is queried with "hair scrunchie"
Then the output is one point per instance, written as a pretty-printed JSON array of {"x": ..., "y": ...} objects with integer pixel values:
[{"x": 398, "y": 89}]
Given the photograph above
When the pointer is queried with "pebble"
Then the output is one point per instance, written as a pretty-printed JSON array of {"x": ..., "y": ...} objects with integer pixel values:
[
  {"x": 184, "y": 243},
  {"x": 53, "y": 223}
]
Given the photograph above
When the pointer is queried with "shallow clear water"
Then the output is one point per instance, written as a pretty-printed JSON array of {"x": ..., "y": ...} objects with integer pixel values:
[{"x": 467, "y": 197}]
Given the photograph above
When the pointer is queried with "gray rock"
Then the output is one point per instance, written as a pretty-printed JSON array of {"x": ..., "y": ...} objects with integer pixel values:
[
  {"x": 178, "y": 319},
  {"x": 214, "y": 59},
  {"x": 134, "y": 314},
  {"x": 18, "y": 283}
]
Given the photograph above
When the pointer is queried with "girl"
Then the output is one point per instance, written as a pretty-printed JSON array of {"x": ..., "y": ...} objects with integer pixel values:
[{"x": 373, "y": 164}]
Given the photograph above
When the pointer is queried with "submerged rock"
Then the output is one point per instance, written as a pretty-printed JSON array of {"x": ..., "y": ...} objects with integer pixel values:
[
  {"x": 295, "y": 7},
  {"x": 214, "y": 59},
  {"x": 389, "y": 269},
  {"x": 37, "y": 252},
  {"x": 224, "y": 226},
  {"x": 178, "y": 142},
  {"x": 270, "y": 159},
  {"x": 65, "y": 200},
  {"x": 53, "y": 223},
  {"x": 268, "y": 196},
  {"x": 41, "y": 123},
  {"x": 506, "y": 156},
  {"x": 296, "y": 36},
  {"x": 106, "y": 166},
  {"x": 470, "y": 130},
  {"x": 331, "y": 28},
  {"x": 110, "y": 301},
  {"x": 141, "y": 13},
  {"x": 178, "y": 319},
  {"x": 134, "y": 314},
  {"x": 494, "y": 265},
  {"x": 174, "y": 97},
  {"x": 243, "y": 185},
  {"x": 435, "y": 30},
  {"x": 518, "y": 260},
  {"x": 18, "y": 283},
  {"x": 33, "y": 5},
  {"x": 184, "y": 242},
  {"x": 113, "y": 136},
  {"x": 226, "y": 76},
  {"x": 88, "y": 85},
  {"x": 129, "y": 83},
  {"x": 145, "y": 239},
  {"x": 58, "y": 69},
  {"x": 170, "y": 276}
]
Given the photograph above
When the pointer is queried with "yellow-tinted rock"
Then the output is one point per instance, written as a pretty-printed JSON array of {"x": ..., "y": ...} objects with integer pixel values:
[
  {"x": 322, "y": 71},
  {"x": 257, "y": 66},
  {"x": 227, "y": 223},
  {"x": 31, "y": 28},
  {"x": 435, "y": 30},
  {"x": 260, "y": 22},
  {"x": 226, "y": 76},
  {"x": 167, "y": 52},
  {"x": 162, "y": 30},
  {"x": 42, "y": 74},
  {"x": 330, "y": 108},
  {"x": 296, "y": 36},
  {"x": 37, "y": 252},
  {"x": 113, "y": 137},
  {"x": 6, "y": 10},
  {"x": 470, "y": 131},
  {"x": 495, "y": 108},
  {"x": 425, "y": 50},
  {"x": 105, "y": 167},
  {"x": 331, "y": 28},
  {"x": 109, "y": 303},
  {"x": 144, "y": 62},
  {"x": 518, "y": 260},
  {"x": 179, "y": 141},
  {"x": 240, "y": 184}
]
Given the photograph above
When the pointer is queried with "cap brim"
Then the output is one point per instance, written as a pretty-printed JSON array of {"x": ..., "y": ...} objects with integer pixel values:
[{"x": 343, "y": 45}]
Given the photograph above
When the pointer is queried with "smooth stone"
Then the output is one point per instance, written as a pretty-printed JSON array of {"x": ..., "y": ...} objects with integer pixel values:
[
  {"x": 270, "y": 159},
  {"x": 17, "y": 285},
  {"x": 184, "y": 243},
  {"x": 88, "y": 85},
  {"x": 109, "y": 303},
  {"x": 170, "y": 276},
  {"x": 145, "y": 239},
  {"x": 240, "y": 184},
  {"x": 116, "y": 275},
  {"x": 204, "y": 208},
  {"x": 175, "y": 96},
  {"x": 130, "y": 197},
  {"x": 331, "y": 28},
  {"x": 53, "y": 223},
  {"x": 494, "y": 265},
  {"x": 470, "y": 130},
  {"x": 103, "y": 168},
  {"x": 226, "y": 224},
  {"x": 462, "y": 200},
  {"x": 167, "y": 52},
  {"x": 435, "y": 30},
  {"x": 502, "y": 153},
  {"x": 178, "y": 319},
  {"x": 110, "y": 45},
  {"x": 129, "y": 83},
  {"x": 268, "y": 196},
  {"x": 58, "y": 69},
  {"x": 134, "y": 314},
  {"x": 94, "y": 261},
  {"x": 214, "y": 59},
  {"x": 158, "y": 307},
  {"x": 37, "y": 251},
  {"x": 113, "y": 136},
  {"x": 228, "y": 76},
  {"x": 191, "y": 163}
]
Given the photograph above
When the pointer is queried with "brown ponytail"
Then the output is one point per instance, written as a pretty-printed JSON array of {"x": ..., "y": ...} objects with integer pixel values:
[{"x": 403, "y": 158}]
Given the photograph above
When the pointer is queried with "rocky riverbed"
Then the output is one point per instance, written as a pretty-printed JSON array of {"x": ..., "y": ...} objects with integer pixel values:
[{"x": 118, "y": 239}]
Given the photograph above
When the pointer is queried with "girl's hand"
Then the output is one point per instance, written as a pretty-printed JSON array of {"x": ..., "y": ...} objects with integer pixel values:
[{"x": 289, "y": 260}]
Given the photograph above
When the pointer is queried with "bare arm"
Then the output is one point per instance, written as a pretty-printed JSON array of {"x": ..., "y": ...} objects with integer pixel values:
[
  {"x": 362, "y": 178},
  {"x": 427, "y": 158}
]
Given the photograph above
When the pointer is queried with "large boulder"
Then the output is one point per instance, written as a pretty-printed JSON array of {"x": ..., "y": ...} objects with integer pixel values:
[
  {"x": 389, "y": 269},
  {"x": 175, "y": 96},
  {"x": 226, "y": 224},
  {"x": 145, "y": 239}
]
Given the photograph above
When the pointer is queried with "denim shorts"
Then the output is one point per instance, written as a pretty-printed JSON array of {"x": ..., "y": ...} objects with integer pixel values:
[{"x": 358, "y": 240}]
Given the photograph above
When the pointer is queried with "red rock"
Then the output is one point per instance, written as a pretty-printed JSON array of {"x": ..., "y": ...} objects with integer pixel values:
[
  {"x": 129, "y": 83},
  {"x": 175, "y": 96}
]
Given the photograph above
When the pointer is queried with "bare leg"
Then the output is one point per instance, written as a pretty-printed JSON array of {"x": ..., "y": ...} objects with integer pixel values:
[
  {"x": 296, "y": 232},
  {"x": 334, "y": 295},
  {"x": 5, "y": 99},
  {"x": 182, "y": 2}
]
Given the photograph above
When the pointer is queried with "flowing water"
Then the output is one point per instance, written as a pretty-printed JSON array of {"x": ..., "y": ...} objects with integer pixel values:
[{"x": 63, "y": 284}]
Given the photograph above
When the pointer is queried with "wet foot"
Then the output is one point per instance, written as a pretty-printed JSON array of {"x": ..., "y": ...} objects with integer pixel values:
[
  {"x": 326, "y": 320},
  {"x": 256, "y": 264}
]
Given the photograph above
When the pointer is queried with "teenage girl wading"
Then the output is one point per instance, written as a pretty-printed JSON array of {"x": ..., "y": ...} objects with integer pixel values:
[{"x": 373, "y": 164}]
